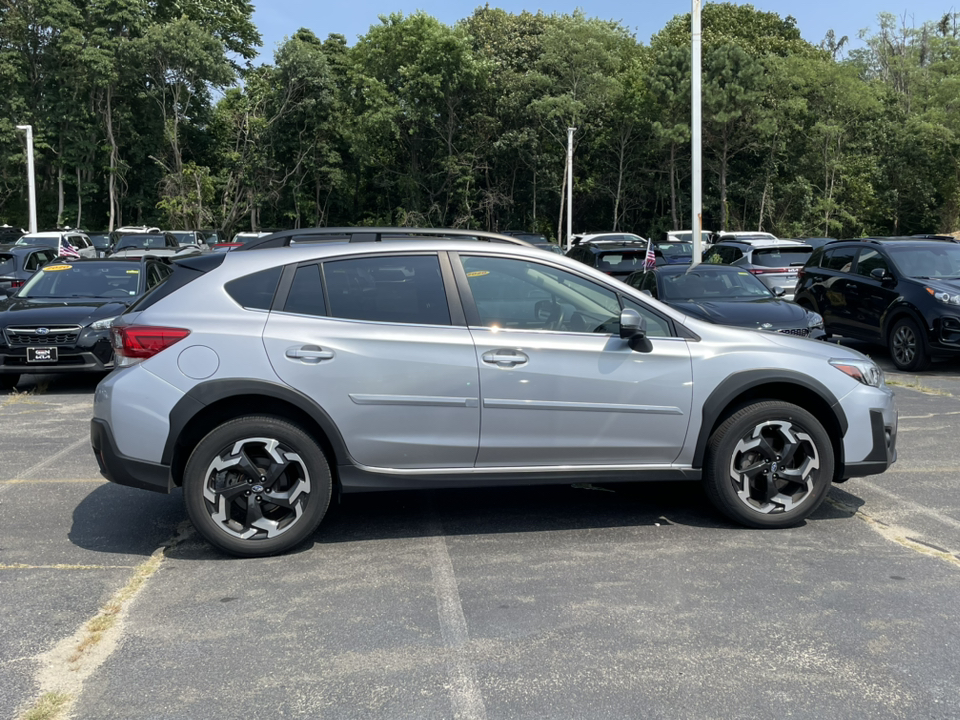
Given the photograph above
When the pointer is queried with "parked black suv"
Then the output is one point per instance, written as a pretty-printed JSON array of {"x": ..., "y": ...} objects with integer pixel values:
[
  {"x": 614, "y": 257},
  {"x": 904, "y": 293}
]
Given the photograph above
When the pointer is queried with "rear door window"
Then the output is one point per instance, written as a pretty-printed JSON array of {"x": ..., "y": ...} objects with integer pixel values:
[
  {"x": 840, "y": 259},
  {"x": 395, "y": 289}
]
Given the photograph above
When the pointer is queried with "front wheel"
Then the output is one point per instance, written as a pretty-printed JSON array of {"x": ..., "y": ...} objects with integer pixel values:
[
  {"x": 257, "y": 486},
  {"x": 907, "y": 348},
  {"x": 769, "y": 465}
]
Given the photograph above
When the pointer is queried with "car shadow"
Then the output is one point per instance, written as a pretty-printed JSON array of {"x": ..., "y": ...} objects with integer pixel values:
[
  {"x": 60, "y": 383},
  {"x": 115, "y": 519},
  {"x": 126, "y": 521}
]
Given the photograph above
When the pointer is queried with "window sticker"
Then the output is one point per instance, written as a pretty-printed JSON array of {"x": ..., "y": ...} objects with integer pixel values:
[
  {"x": 56, "y": 268},
  {"x": 478, "y": 273}
]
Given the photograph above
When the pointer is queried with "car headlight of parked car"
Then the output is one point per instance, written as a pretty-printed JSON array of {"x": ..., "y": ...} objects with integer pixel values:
[
  {"x": 814, "y": 320},
  {"x": 103, "y": 324},
  {"x": 944, "y": 297},
  {"x": 863, "y": 371}
]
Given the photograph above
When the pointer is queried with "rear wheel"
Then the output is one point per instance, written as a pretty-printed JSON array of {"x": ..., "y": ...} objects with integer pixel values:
[
  {"x": 769, "y": 465},
  {"x": 907, "y": 348},
  {"x": 9, "y": 381},
  {"x": 257, "y": 486}
]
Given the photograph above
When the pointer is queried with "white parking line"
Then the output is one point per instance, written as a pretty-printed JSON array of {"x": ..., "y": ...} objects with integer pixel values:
[
  {"x": 464, "y": 694},
  {"x": 71, "y": 448}
]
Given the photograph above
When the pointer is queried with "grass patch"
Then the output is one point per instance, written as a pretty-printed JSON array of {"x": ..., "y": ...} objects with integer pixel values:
[
  {"x": 107, "y": 617},
  {"x": 48, "y": 707},
  {"x": 917, "y": 385}
]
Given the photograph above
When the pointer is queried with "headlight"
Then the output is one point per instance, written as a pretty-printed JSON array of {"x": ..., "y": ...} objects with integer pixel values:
[
  {"x": 814, "y": 320},
  {"x": 861, "y": 370},
  {"x": 103, "y": 324},
  {"x": 943, "y": 296}
]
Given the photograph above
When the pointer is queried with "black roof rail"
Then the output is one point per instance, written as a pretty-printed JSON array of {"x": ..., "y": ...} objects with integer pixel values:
[{"x": 285, "y": 238}]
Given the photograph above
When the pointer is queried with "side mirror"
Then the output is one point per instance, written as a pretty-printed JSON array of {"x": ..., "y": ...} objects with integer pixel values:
[
  {"x": 883, "y": 275},
  {"x": 778, "y": 291},
  {"x": 633, "y": 329},
  {"x": 647, "y": 293}
]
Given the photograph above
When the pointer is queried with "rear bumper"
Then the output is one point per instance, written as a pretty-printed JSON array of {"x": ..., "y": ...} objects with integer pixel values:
[{"x": 123, "y": 470}]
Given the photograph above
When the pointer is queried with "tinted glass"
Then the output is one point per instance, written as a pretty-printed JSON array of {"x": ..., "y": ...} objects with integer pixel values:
[
  {"x": 53, "y": 242},
  {"x": 387, "y": 289},
  {"x": 519, "y": 294},
  {"x": 780, "y": 257},
  {"x": 933, "y": 260},
  {"x": 101, "y": 280},
  {"x": 185, "y": 238},
  {"x": 306, "y": 292},
  {"x": 8, "y": 264},
  {"x": 705, "y": 285},
  {"x": 839, "y": 259},
  {"x": 156, "y": 274},
  {"x": 141, "y": 240},
  {"x": 869, "y": 261},
  {"x": 256, "y": 291},
  {"x": 675, "y": 249},
  {"x": 621, "y": 261}
]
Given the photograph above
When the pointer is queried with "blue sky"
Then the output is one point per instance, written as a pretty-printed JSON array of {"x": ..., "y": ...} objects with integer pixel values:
[{"x": 279, "y": 18}]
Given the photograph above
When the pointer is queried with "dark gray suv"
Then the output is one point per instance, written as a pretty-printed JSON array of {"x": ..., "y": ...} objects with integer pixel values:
[{"x": 263, "y": 382}]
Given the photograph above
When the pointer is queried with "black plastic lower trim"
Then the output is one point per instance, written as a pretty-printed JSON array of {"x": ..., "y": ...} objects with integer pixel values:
[
  {"x": 120, "y": 469},
  {"x": 353, "y": 479},
  {"x": 881, "y": 456}
]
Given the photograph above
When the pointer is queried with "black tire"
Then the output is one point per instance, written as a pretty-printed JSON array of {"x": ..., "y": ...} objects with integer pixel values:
[
  {"x": 908, "y": 349},
  {"x": 238, "y": 468},
  {"x": 769, "y": 465},
  {"x": 9, "y": 381}
]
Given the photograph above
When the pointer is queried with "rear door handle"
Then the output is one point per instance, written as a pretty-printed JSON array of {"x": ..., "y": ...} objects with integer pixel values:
[
  {"x": 505, "y": 358},
  {"x": 309, "y": 354}
]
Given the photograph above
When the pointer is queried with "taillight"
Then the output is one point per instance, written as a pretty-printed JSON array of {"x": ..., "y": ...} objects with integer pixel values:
[
  {"x": 765, "y": 271},
  {"x": 17, "y": 283},
  {"x": 133, "y": 343}
]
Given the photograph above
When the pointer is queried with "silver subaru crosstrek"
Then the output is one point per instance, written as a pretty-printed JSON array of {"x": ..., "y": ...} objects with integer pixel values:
[{"x": 262, "y": 382}]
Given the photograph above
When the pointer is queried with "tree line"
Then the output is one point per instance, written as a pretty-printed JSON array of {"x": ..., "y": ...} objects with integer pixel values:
[{"x": 154, "y": 112}]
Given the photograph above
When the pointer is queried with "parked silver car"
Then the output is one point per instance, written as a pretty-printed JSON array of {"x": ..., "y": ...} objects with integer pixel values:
[
  {"x": 776, "y": 263},
  {"x": 264, "y": 381}
]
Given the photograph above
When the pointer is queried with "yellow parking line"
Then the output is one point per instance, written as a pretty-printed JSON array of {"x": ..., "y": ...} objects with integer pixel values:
[
  {"x": 60, "y": 566},
  {"x": 20, "y": 481}
]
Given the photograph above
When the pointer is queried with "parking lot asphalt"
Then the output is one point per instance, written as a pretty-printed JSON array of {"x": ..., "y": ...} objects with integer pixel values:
[{"x": 622, "y": 601}]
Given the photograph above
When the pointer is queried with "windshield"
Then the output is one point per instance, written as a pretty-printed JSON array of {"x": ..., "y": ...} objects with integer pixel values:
[
  {"x": 141, "y": 240},
  {"x": 936, "y": 260},
  {"x": 47, "y": 241},
  {"x": 780, "y": 257},
  {"x": 185, "y": 238},
  {"x": 85, "y": 279},
  {"x": 675, "y": 249},
  {"x": 707, "y": 285}
]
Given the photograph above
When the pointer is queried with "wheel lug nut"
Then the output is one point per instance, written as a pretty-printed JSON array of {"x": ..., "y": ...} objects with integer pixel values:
[
  {"x": 248, "y": 492},
  {"x": 258, "y": 498}
]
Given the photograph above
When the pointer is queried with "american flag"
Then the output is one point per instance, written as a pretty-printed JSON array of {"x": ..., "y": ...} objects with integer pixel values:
[
  {"x": 67, "y": 250},
  {"x": 650, "y": 259}
]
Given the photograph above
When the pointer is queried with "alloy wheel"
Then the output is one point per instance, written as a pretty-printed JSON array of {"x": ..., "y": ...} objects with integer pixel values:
[
  {"x": 774, "y": 467},
  {"x": 256, "y": 488},
  {"x": 904, "y": 345}
]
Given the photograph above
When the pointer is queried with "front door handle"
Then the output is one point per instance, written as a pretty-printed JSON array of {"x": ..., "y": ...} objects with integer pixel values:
[
  {"x": 505, "y": 358},
  {"x": 309, "y": 354}
]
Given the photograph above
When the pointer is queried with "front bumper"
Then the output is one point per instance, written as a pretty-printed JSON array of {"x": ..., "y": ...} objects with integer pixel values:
[
  {"x": 91, "y": 353},
  {"x": 124, "y": 470}
]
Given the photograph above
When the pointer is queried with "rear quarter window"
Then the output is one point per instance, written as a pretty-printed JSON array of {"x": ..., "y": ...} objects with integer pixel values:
[
  {"x": 255, "y": 291},
  {"x": 7, "y": 264}
]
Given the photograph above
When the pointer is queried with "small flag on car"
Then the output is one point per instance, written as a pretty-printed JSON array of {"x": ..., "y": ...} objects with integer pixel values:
[
  {"x": 68, "y": 251},
  {"x": 650, "y": 259}
]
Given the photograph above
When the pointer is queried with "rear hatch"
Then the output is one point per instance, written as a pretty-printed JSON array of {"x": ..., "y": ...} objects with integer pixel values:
[
  {"x": 779, "y": 265},
  {"x": 8, "y": 266},
  {"x": 621, "y": 262}
]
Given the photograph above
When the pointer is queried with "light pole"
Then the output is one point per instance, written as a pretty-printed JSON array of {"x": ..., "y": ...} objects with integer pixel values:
[
  {"x": 696, "y": 217},
  {"x": 570, "y": 132},
  {"x": 31, "y": 178}
]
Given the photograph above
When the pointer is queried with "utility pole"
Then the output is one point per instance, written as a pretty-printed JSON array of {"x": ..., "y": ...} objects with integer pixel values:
[
  {"x": 31, "y": 177},
  {"x": 570, "y": 132},
  {"x": 696, "y": 217}
]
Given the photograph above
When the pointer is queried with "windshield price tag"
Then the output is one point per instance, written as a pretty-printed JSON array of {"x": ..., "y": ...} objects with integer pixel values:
[{"x": 56, "y": 268}]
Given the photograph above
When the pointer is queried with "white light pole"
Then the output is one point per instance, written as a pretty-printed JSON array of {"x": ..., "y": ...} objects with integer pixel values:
[
  {"x": 570, "y": 132},
  {"x": 696, "y": 217},
  {"x": 31, "y": 178}
]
